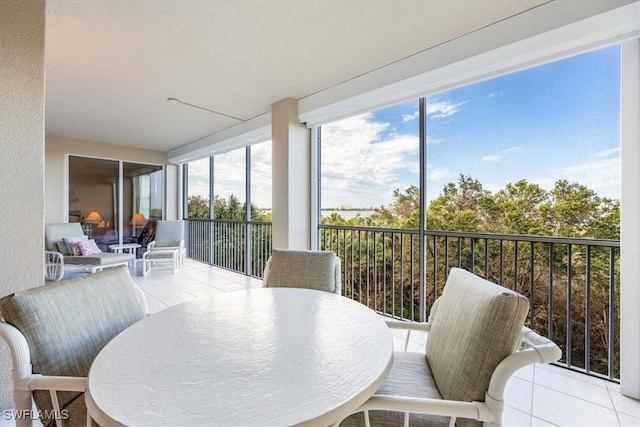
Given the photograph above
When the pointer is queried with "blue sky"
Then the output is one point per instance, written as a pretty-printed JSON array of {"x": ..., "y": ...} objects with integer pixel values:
[{"x": 555, "y": 121}]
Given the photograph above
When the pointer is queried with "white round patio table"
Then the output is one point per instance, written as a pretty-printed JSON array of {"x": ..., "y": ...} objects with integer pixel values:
[{"x": 268, "y": 357}]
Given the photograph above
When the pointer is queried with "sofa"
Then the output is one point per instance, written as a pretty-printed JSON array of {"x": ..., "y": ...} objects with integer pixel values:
[{"x": 59, "y": 239}]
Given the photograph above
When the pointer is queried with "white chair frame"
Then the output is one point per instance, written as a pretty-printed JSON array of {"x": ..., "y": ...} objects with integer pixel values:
[
  {"x": 175, "y": 260},
  {"x": 536, "y": 349},
  {"x": 25, "y": 381}
]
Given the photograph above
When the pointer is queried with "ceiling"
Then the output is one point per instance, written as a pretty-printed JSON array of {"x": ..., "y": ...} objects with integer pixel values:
[{"x": 111, "y": 65}]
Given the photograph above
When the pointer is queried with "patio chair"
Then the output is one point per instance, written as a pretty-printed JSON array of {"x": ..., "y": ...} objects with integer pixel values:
[
  {"x": 474, "y": 345},
  {"x": 59, "y": 251},
  {"x": 54, "y": 333},
  {"x": 169, "y": 235},
  {"x": 288, "y": 268}
]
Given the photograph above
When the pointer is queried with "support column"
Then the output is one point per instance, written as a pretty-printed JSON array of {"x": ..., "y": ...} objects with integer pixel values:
[
  {"x": 22, "y": 25},
  {"x": 291, "y": 177},
  {"x": 629, "y": 223}
]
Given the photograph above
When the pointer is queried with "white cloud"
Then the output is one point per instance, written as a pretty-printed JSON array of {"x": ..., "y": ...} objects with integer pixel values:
[
  {"x": 497, "y": 157},
  {"x": 199, "y": 178},
  {"x": 409, "y": 117},
  {"x": 609, "y": 152},
  {"x": 361, "y": 170},
  {"x": 601, "y": 174},
  {"x": 494, "y": 158},
  {"x": 438, "y": 109},
  {"x": 229, "y": 175}
]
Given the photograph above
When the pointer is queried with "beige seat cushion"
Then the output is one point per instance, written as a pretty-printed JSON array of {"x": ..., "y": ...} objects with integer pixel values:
[{"x": 409, "y": 376}]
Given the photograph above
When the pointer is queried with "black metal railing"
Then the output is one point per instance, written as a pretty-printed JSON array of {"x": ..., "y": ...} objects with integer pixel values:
[
  {"x": 573, "y": 284},
  {"x": 240, "y": 246}
]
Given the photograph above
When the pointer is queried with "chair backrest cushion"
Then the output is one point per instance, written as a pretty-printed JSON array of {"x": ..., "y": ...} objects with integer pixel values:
[
  {"x": 54, "y": 235},
  {"x": 302, "y": 269},
  {"x": 66, "y": 324},
  {"x": 476, "y": 326},
  {"x": 169, "y": 233}
]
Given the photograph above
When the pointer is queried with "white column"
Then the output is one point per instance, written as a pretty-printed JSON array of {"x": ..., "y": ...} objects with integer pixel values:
[
  {"x": 21, "y": 157},
  {"x": 291, "y": 177},
  {"x": 630, "y": 220}
]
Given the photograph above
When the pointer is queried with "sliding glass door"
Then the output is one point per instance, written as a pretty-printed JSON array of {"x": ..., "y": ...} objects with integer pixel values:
[{"x": 115, "y": 201}]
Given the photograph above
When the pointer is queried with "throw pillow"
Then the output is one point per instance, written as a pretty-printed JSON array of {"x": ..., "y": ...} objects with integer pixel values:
[
  {"x": 89, "y": 247},
  {"x": 69, "y": 241}
]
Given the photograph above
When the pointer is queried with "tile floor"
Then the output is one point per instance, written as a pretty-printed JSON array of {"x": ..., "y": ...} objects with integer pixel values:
[{"x": 537, "y": 396}]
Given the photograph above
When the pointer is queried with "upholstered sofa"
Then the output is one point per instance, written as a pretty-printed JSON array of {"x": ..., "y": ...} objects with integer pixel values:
[{"x": 58, "y": 253}]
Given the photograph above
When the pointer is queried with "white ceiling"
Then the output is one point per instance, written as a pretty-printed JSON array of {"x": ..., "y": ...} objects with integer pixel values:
[{"x": 111, "y": 65}]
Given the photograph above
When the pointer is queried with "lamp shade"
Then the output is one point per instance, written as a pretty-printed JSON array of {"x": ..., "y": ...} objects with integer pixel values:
[
  {"x": 93, "y": 217},
  {"x": 138, "y": 220}
]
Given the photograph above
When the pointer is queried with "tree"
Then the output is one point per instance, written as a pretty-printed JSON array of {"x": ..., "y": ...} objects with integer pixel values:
[{"x": 197, "y": 207}]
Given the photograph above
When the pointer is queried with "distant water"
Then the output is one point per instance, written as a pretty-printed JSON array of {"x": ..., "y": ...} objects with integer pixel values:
[{"x": 348, "y": 214}]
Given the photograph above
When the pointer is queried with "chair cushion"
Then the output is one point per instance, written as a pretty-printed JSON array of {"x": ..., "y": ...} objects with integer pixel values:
[
  {"x": 73, "y": 244},
  {"x": 409, "y": 376},
  {"x": 87, "y": 247},
  {"x": 302, "y": 269},
  {"x": 477, "y": 325},
  {"x": 99, "y": 259},
  {"x": 67, "y": 323},
  {"x": 54, "y": 233},
  {"x": 169, "y": 233},
  {"x": 160, "y": 254}
]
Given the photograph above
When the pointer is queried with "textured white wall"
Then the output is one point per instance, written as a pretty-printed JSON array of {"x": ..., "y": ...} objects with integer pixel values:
[{"x": 22, "y": 26}]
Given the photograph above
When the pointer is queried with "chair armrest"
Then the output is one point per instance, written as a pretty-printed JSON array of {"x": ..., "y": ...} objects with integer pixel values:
[
  {"x": 19, "y": 349},
  {"x": 540, "y": 350},
  {"x": 54, "y": 265},
  {"x": 265, "y": 274},
  {"x": 408, "y": 327},
  {"x": 57, "y": 383},
  {"x": 447, "y": 408},
  {"x": 412, "y": 326}
]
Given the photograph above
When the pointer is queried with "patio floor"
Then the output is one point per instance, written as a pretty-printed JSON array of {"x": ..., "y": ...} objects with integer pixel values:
[{"x": 536, "y": 396}]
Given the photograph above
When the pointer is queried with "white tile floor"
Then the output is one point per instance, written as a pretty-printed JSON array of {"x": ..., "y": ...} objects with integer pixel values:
[{"x": 536, "y": 396}]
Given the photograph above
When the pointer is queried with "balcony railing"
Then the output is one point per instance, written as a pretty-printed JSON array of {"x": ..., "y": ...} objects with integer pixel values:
[
  {"x": 240, "y": 246},
  {"x": 572, "y": 284}
]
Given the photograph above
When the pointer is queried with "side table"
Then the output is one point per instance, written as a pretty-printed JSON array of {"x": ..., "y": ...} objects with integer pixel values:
[{"x": 126, "y": 247}]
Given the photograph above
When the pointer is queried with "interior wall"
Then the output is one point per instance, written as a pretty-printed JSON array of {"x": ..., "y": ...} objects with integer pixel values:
[
  {"x": 94, "y": 193},
  {"x": 22, "y": 25},
  {"x": 57, "y": 191}
]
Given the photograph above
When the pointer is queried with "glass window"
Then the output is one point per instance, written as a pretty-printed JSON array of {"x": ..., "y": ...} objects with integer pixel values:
[
  {"x": 261, "y": 181},
  {"x": 198, "y": 189},
  {"x": 143, "y": 198},
  {"x": 368, "y": 163},
  {"x": 532, "y": 152},
  {"x": 229, "y": 180},
  {"x": 93, "y": 198}
]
